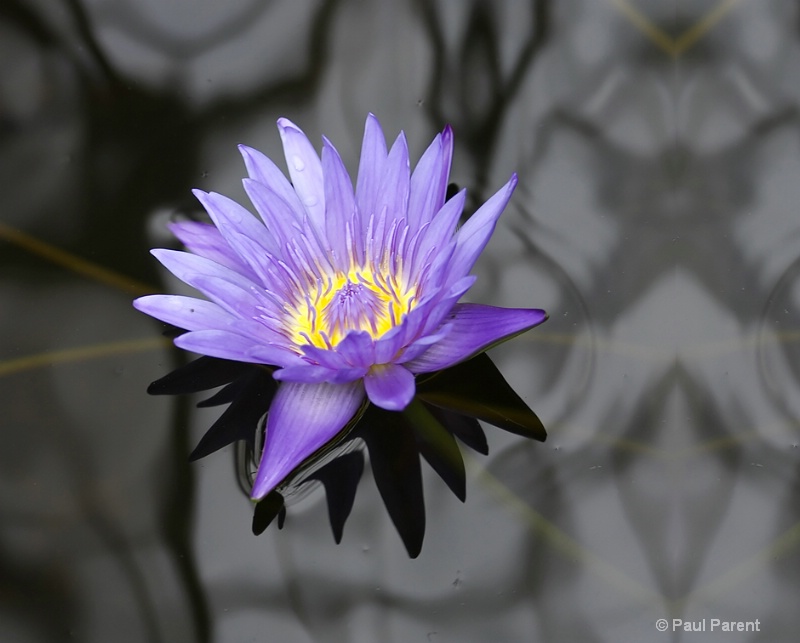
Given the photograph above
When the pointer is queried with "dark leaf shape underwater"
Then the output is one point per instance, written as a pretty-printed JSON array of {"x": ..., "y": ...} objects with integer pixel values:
[{"x": 445, "y": 410}]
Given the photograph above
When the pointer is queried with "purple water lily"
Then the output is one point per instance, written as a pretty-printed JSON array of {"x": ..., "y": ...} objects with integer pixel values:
[{"x": 349, "y": 293}]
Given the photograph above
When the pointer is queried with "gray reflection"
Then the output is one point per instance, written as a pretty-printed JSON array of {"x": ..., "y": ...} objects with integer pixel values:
[{"x": 656, "y": 214}]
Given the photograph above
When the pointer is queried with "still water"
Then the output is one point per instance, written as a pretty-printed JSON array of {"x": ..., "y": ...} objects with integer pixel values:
[{"x": 655, "y": 220}]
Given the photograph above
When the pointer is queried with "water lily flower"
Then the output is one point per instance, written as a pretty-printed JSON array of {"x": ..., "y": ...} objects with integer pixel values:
[{"x": 349, "y": 293}]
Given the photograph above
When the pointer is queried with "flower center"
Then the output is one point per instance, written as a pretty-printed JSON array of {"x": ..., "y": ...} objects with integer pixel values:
[{"x": 357, "y": 301}]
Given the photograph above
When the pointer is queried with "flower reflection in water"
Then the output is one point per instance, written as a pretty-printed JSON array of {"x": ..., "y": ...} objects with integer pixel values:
[
  {"x": 447, "y": 405},
  {"x": 347, "y": 303}
]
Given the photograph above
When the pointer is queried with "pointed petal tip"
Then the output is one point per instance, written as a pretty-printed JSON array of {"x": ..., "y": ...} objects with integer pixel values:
[
  {"x": 284, "y": 124},
  {"x": 246, "y": 151},
  {"x": 139, "y": 304},
  {"x": 301, "y": 419}
]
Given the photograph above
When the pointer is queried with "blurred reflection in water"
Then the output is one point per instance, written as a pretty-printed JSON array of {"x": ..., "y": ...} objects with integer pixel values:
[{"x": 655, "y": 220}]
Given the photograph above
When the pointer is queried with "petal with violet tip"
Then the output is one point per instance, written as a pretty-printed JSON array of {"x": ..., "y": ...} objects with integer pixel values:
[
  {"x": 371, "y": 168},
  {"x": 473, "y": 236},
  {"x": 429, "y": 182},
  {"x": 305, "y": 169},
  {"x": 301, "y": 419},
  {"x": 185, "y": 312},
  {"x": 475, "y": 328},
  {"x": 390, "y": 386}
]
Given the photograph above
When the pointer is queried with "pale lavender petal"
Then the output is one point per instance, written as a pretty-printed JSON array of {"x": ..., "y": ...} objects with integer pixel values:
[
  {"x": 198, "y": 314},
  {"x": 234, "y": 222},
  {"x": 473, "y": 236},
  {"x": 428, "y": 184},
  {"x": 282, "y": 220},
  {"x": 304, "y": 373},
  {"x": 261, "y": 262},
  {"x": 340, "y": 206},
  {"x": 476, "y": 328},
  {"x": 184, "y": 312},
  {"x": 437, "y": 234},
  {"x": 394, "y": 187},
  {"x": 229, "y": 289},
  {"x": 204, "y": 240},
  {"x": 301, "y": 419},
  {"x": 390, "y": 386},
  {"x": 262, "y": 170},
  {"x": 447, "y": 154},
  {"x": 223, "y": 344},
  {"x": 240, "y": 301},
  {"x": 189, "y": 268},
  {"x": 370, "y": 169},
  {"x": 305, "y": 169}
]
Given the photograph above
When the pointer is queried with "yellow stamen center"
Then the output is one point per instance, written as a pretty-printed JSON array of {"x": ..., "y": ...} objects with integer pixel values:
[{"x": 358, "y": 300}]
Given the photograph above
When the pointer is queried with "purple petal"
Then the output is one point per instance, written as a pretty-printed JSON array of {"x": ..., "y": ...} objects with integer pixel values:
[
  {"x": 305, "y": 169},
  {"x": 444, "y": 304},
  {"x": 357, "y": 349},
  {"x": 394, "y": 187},
  {"x": 301, "y": 419},
  {"x": 340, "y": 205},
  {"x": 390, "y": 386},
  {"x": 262, "y": 170},
  {"x": 204, "y": 240},
  {"x": 184, "y": 312},
  {"x": 438, "y": 233},
  {"x": 474, "y": 234},
  {"x": 324, "y": 357},
  {"x": 429, "y": 180},
  {"x": 232, "y": 220},
  {"x": 304, "y": 373},
  {"x": 476, "y": 328},
  {"x": 190, "y": 268},
  {"x": 371, "y": 168},
  {"x": 227, "y": 344},
  {"x": 232, "y": 291},
  {"x": 415, "y": 349},
  {"x": 198, "y": 314},
  {"x": 281, "y": 218},
  {"x": 390, "y": 343}
]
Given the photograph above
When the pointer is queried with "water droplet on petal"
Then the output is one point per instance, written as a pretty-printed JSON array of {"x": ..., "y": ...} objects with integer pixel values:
[
  {"x": 310, "y": 200},
  {"x": 298, "y": 163}
]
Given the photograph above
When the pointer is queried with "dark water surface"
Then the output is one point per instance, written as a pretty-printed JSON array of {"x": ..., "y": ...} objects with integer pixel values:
[{"x": 656, "y": 219}]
